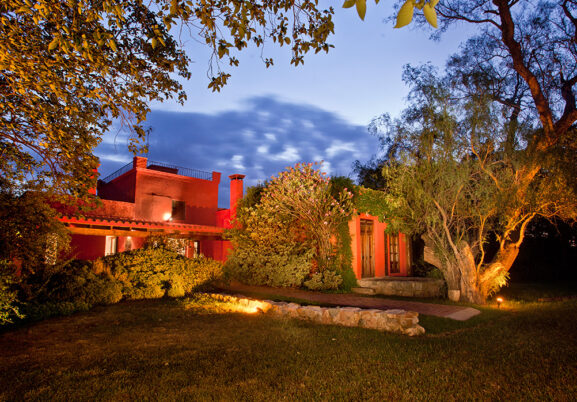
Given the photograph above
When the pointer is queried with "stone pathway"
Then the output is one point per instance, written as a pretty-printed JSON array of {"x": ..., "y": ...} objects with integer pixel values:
[{"x": 439, "y": 310}]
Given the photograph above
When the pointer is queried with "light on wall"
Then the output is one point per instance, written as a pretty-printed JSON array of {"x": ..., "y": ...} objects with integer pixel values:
[{"x": 167, "y": 216}]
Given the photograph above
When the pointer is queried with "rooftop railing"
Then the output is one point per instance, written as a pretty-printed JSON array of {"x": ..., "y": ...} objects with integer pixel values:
[
  {"x": 119, "y": 172},
  {"x": 163, "y": 167}
]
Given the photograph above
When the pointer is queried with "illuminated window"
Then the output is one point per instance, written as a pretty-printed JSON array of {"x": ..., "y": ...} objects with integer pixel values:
[
  {"x": 51, "y": 249},
  {"x": 177, "y": 245},
  {"x": 178, "y": 210},
  {"x": 128, "y": 244},
  {"x": 196, "y": 248},
  {"x": 111, "y": 246}
]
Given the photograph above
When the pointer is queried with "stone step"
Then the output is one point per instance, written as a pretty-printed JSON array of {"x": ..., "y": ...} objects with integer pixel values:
[{"x": 363, "y": 291}]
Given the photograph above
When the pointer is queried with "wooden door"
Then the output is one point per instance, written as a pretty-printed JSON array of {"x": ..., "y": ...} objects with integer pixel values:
[
  {"x": 394, "y": 255},
  {"x": 367, "y": 249}
]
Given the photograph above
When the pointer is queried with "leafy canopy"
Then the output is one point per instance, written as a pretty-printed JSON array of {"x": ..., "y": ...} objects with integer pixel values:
[
  {"x": 68, "y": 69},
  {"x": 405, "y": 13},
  {"x": 462, "y": 174}
]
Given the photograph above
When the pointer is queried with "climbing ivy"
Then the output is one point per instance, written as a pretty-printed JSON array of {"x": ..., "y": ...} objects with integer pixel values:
[{"x": 373, "y": 202}]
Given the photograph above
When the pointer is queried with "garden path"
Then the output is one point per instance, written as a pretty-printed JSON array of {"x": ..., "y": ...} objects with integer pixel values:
[{"x": 459, "y": 313}]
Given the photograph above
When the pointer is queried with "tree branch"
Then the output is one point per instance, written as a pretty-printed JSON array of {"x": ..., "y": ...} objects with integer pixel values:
[{"x": 507, "y": 28}]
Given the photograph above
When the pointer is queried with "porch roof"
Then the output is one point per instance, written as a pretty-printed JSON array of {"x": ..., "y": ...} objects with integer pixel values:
[{"x": 107, "y": 226}]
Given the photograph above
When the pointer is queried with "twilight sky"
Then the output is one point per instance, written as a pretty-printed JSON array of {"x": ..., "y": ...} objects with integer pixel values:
[{"x": 267, "y": 119}]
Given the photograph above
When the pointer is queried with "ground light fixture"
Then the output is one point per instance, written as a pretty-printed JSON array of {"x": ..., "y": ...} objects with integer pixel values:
[{"x": 499, "y": 301}]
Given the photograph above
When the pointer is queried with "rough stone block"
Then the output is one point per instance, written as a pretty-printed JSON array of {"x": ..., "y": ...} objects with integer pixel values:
[
  {"x": 414, "y": 331},
  {"x": 328, "y": 315},
  {"x": 369, "y": 318},
  {"x": 312, "y": 313},
  {"x": 348, "y": 317},
  {"x": 363, "y": 291}
]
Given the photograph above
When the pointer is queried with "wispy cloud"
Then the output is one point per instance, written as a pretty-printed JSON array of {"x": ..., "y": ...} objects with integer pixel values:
[{"x": 259, "y": 141}]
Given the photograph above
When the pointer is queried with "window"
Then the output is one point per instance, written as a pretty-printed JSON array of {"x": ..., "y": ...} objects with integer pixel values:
[
  {"x": 177, "y": 245},
  {"x": 394, "y": 264},
  {"x": 51, "y": 254},
  {"x": 178, "y": 210},
  {"x": 111, "y": 245},
  {"x": 128, "y": 244},
  {"x": 196, "y": 248}
]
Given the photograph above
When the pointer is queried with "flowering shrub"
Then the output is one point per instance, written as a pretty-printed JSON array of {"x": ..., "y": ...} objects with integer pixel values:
[
  {"x": 291, "y": 230},
  {"x": 302, "y": 194}
]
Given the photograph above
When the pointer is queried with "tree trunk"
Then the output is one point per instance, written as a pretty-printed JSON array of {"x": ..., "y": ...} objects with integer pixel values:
[{"x": 462, "y": 274}]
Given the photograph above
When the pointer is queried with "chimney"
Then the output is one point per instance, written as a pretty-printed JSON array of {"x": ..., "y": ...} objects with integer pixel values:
[
  {"x": 139, "y": 162},
  {"x": 236, "y": 192}
]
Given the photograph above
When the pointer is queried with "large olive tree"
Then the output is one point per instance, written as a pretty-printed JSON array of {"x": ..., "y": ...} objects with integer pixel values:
[{"x": 457, "y": 174}]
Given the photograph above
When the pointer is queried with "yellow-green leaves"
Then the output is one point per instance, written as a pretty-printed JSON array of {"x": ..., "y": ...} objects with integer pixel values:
[
  {"x": 53, "y": 44},
  {"x": 361, "y": 6},
  {"x": 430, "y": 14},
  {"x": 405, "y": 15},
  {"x": 173, "y": 7},
  {"x": 113, "y": 45}
]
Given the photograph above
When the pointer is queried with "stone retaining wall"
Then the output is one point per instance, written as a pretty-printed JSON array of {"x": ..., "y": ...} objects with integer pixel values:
[
  {"x": 408, "y": 287},
  {"x": 399, "y": 321}
]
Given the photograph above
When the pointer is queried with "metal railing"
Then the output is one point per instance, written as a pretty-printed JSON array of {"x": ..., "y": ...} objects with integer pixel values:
[
  {"x": 182, "y": 171},
  {"x": 179, "y": 170},
  {"x": 119, "y": 172}
]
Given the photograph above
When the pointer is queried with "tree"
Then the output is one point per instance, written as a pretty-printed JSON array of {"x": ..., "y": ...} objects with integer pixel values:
[
  {"x": 529, "y": 48},
  {"x": 459, "y": 175},
  {"x": 68, "y": 69},
  {"x": 30, "y": 234}
]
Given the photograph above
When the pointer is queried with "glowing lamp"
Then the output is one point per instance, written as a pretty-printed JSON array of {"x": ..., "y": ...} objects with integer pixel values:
[
  {"x": 499, "y": 301},
  {"x": 167, "y": 216}
]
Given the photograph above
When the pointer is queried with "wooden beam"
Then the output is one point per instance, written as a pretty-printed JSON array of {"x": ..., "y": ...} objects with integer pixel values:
[{"x": 112, "y": 231}]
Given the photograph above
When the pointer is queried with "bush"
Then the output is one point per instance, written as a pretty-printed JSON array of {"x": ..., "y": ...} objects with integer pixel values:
[
  {"x": 8, "y": 296},
  {"x": 324, "y": 280},
  {"x": 278, "y": 269},
  {"x": 349, "y": 280},
  {"x": 423, "y": 269},
  {"x": 154, "y": 272},
  {"x": 40, "y": 311},
  {"x": 74, "y": 282},
  {"x": 266, "y": 251}
]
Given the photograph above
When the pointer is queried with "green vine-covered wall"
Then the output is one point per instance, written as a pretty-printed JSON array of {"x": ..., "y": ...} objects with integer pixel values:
[{"x": 372, "y": 202}]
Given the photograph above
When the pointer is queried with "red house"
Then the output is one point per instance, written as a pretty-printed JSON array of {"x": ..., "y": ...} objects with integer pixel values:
[{"x": 147, "y": 198}]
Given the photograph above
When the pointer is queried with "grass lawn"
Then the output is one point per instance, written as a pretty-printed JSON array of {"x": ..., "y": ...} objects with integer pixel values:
[{"x": 174, "y": 350}]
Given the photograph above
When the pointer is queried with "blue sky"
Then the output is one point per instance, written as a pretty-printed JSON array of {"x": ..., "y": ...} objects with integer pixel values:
[{"x": 267, "y": 119}]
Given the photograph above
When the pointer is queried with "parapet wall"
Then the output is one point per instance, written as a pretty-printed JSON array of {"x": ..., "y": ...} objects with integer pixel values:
[{"x": 398, "y": 321}]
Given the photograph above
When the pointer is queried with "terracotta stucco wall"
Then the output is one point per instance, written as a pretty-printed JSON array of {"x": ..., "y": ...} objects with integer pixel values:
[
  {"x": 156, "y": 190},
  {"x": 379, "y": 246},
  {"x": 85, "y": 247}
]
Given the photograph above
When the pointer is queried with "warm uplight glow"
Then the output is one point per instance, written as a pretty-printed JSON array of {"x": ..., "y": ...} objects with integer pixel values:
[
  {"x": 499, "y": 301},
  {"x": 167, "y": 216}
]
